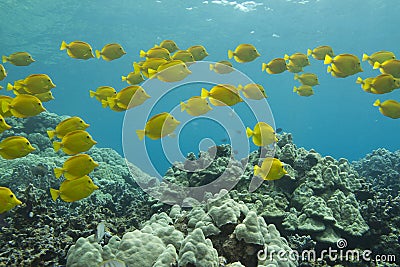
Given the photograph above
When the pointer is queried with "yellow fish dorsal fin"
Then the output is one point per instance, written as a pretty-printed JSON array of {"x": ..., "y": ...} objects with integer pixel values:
[
  {"x": 140, "y": 134},
  {"x": 328, "y": 59},
  {"x": 54, "y": 193},
  {"x": 230, "y": 54},
  {"x": 365, "y": 57},
  {"x": 377, "y": 103}
]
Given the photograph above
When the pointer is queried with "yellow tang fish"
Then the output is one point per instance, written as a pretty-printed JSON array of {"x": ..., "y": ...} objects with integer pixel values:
[
  {"x": 169, "y": 45},
  {"x": 298, "y": 59},
  {"x": 45, "y": 97},
  {"x": 346, "y": 64},
  {"x": 198, "y": 52},
  {"x": 19, "y": 59},
  {"x": 271, "y": 169},
  {"x": 391, "y": 66},
  {"x": 129, "y": 97},
  {"x": 336, "y": 74},
  {"x": 158, "y": 126},
  {"x": 389, "y": 108},
  {"x": 150, "y": 63},
  {"x": 67, "y": 126},
  {"x": 156, "y": 52},
  {"x": 310, "y": 79},
  {"x": 76, "y": 167},
  {"x": 183, "y": 55},
  {"x": 3, "y": 72},
  {"x": 134, "y": 77},
  {"x": 74, "y": 190},
  {"x": 35, "y": 84},
  {"x": 78, "y": 49},
  {"x": 275, "y": 66},
  {"x": 222, "y": 95},
  {"x": 293, "y": 68},
  {"x": 303, "y": 90},
  {"x": 253, "y": 91},
  {"x": 3, "y": 124},
  {"x": 171, "y": 71},
  {"x": 75, "y": 142},
  {"x": 7, "y": 100},
  {"x": 15, "y": 147},
  {"x": 103, "y": 92},
  {"x": 23, "y": 106},
  {"x": 320, "y": 52},
  {"x": 384, "y": 83},
  {"x": 263, "y": 134},
  {"x": 110, "y": 52},
  {"x": 380, "y": 56},
  {"x": 7, "y": 200},
  {"x": 222, "y": 67},
  {"x": 244, "y": 53},
  {"x": 196, "y": 106},
  {"x": 365, "y": 84}
]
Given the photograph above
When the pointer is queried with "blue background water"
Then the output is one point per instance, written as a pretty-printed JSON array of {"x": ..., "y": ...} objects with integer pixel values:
[{"x": 339, "y": 120}]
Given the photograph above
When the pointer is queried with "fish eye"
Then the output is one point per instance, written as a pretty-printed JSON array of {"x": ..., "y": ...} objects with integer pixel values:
[
  {"x": 27, "y": 143},
  {"x": 81, "y": 121},
  {"x": 11, "y": 195},
  {"x": 39, "y": 103},
  {"x": 1, "y": 119},
  {"x": 48, "y": 80},
  {"x": 87, "y": 136},
  {"x": 89, "y": 181}
]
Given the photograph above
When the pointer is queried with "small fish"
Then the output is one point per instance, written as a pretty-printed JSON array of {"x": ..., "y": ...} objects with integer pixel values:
[
  {"x": 78, "y": 50},
  {"x": 263, "y": 134},
  {"x": 384, "y": 83},
  {"x": 100, "y": 231},
  {"x": 110, "y": 52},
  {"x": 23, "y": 106},
  {"x": 75, "y": 142},
  {"x": 391, "y": 66},
  {"x": 74, "y": 190},
  {"x": 346, "y": 64},
  {"x": 222, "y": 67},
  {"x": 103, "y": 92},
  {"x": 184, "y": 56},
  {"x": 196, "y": 106},
  {"x": 45, "y": 97},
  {"x": 198, "y": 52},
  {"x": 275, "y": 66},
  {"x": 133, "y": 78},
  {"x": 35, "y": 84},
  {"x": 365, "y": 84},
  {"x": 303, "y": 90},
  {"x": 380, "y": 56},
  {"x": 310, "y": 79},
  {"x": 7, "y": 200},
  {"x": 3, "y": 124},
  {"x": 15, "y": 147},
  {"x": 253, "y": 91},
  {"x": 389, "y": 108},
  {"x": 298, "y": 59},
  {"x": 171, "y": 71},
  {"x": 320, "y": 52},
  {"x": 169, "y": 45},
  {"x": 112, "y": 263},
  {"x": 3, "y": 73},
  {"x": 129, "y": 97},
  {"x": 76, "y": 167},
  {"x": 271, "y": 169},
  {"x": 156, "y": 52},
  {"x": 19, "y": 59},
  {"x": 222, "y": 95},
  {"x": 158, "y": 126},
  {"x": 67, "y": 126},
  {"x": 244, "y": 53}
]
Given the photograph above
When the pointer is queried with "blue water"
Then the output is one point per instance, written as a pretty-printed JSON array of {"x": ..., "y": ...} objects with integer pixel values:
[{"x": 339, "y": 120}]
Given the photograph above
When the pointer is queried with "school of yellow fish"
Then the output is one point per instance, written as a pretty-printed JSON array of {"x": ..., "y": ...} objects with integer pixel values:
[{"x": 168, "y": 63}]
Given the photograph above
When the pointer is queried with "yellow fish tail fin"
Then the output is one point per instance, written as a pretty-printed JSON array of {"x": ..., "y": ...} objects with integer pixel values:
[
  {"x": 295, "y": 89},
  {"x": 104, "y": 103},
  {"x": 365, "y": 57},
  {"x": 296, "y": 76},
  {"x": 152, "y": 73},
  {"x": 58, "y": 172},
  {"x": 4, "y": 59},
  {"x": 359, "y": 80},
  {"x": 377, "y": 65},
  {"x": 230, "y": 54},
  {"x": 5, "y": 106},
  {"x": 92, "y": 93},
  {"x": 240, "y": 87},
  {"x": 286, "y": 57},
  {"x": 204, "y": 93},
  {"x": 249, "y": 132},
  {"x": 51, "y": 134},
  {"x": 54, "y": 193},
  {"x": 377, "y": 103},
  {"x": 142, "y": 53},
  {"x": 63, "y": 45},
  {"x": 309, "y": 52},
  {"x": 98, "y": 53},
  {"x": 257, "y": 170},
  {"x": 329, "y": 69},
  {"x": 183, "y": 106},
  {"x": 136, "y": 67},
  {"x": 328, "y": 59},
  {"x": 211, "y": 66},
  {"x": 140, "y": 134},
  {"x": 123, "y": 78},
  {"x": 9, "y": 87},
  {"x": 263, "y": 67},
  {"x": 56, "y": 145}
]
